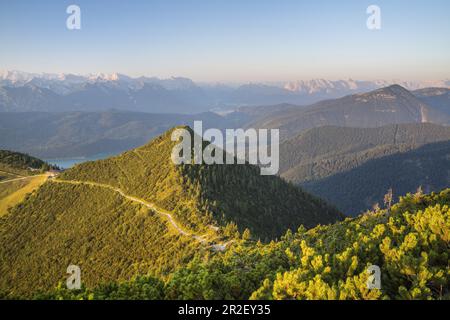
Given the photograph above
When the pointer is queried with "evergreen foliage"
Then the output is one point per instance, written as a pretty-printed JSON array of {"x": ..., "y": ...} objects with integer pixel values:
[{"x": 410, "y": 244}]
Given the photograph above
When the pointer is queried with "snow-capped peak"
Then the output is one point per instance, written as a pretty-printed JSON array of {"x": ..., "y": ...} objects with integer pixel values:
[{"x": 324, "y": 86}]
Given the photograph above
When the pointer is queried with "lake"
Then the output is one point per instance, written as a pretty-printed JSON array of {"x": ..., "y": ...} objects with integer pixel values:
[{"x": 66, "y": 163}]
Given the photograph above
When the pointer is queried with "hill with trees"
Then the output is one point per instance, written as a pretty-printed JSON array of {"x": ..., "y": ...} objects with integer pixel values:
[
  {"x": 205, "y": 195},
  {"x": 19, "y": 163},
  {"x": 140, "y": 214}
]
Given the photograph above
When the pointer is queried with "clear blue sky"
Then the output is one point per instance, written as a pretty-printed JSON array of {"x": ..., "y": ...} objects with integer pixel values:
[{"x": 230, "y": 40}]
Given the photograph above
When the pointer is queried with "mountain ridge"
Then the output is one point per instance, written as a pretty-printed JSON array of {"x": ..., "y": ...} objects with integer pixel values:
[{"x": 389, "y": 105}]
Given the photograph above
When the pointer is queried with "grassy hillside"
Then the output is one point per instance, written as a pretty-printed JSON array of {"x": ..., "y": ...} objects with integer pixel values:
[
  {"x": 409, "y": 243},
  {"x": 20, "y": 174},
  {"x": 7, "y": 175},
  {"x": 14, "y": 192},
  {"x": 203, "y": 195},
  {"x": 108, "y": 236},
  {"x": 359, "y": 189}
]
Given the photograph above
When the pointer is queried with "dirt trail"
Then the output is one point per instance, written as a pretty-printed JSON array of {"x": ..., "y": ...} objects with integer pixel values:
[{"x": 153, "y": 207}]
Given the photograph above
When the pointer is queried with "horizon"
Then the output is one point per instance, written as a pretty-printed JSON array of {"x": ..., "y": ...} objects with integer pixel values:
[
  {"x": 230, "y": 42},
  {"x": 110, "y": 77}
]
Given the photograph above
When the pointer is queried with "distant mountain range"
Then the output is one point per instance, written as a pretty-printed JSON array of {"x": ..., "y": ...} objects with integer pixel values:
[
  {"x": 74, "y": 134},
  {"x": 21, "y": 91},
  {"x": 344, "y": 87},
  {"x": 389, "y": 105}
]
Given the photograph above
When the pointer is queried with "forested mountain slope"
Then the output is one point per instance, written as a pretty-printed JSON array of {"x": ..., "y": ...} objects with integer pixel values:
[
  {"x": 321, "y": 152},
  {"x": 409, "y": 242},
  {"x": 18, "y": 163},
  {"x": 360, "y": 188},
  {"x": 438, "y": 98}
]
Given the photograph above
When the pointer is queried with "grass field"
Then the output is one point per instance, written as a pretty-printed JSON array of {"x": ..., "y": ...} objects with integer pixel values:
[
  {"x": 12, "y": 193},
  {"x": 4, "y": 175}
]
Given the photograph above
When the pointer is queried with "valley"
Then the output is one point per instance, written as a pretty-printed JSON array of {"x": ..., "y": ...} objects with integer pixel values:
[{"x": 385, "y": 106}]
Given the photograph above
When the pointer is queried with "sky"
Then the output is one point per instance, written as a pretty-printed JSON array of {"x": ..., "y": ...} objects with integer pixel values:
[{"x": 230, "y": 40}]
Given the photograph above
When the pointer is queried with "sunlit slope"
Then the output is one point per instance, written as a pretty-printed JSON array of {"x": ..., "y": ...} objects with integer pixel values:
[
  {"x": 138, "y": 214},
  {"x": 20, "y": 174},
  {"x": 14, "y": 192},
  {"x": 108, "y": 236},
  {"x": 201, "y": 196}
]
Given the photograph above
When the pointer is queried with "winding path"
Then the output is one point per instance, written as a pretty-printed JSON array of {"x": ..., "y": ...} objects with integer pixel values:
[{"x": 153, "y": 207}]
